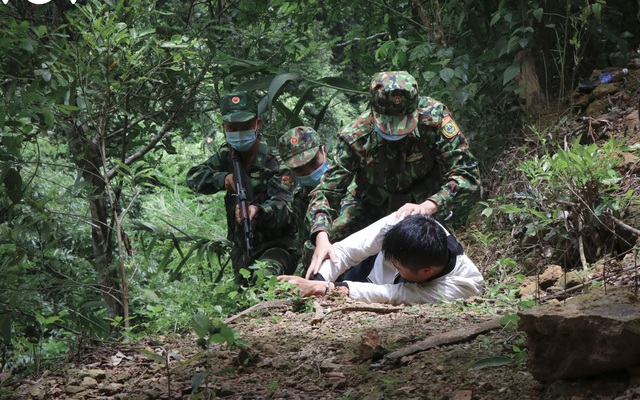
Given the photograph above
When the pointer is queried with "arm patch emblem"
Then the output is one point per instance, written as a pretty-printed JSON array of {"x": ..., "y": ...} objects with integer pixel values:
[
  {"x": 286, "y": 182},
  {"x": 449, "y": 127}
]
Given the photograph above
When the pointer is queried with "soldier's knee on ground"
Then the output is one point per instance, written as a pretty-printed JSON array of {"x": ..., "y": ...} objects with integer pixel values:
[{"x": 279, "y": 261}]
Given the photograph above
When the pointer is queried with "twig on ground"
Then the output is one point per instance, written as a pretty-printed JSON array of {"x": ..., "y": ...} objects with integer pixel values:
[
  {"x": 281, "y": 303},
  {"x": 457, "y": 336}
]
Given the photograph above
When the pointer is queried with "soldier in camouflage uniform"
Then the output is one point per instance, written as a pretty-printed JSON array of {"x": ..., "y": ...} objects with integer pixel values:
[
  {"x": 301, "y": 151},
  {"x": 269, "y": 190},
  {"x": 406, "y": 154}
]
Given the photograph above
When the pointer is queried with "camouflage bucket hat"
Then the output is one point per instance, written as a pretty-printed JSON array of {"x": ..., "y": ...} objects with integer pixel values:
[
  {"x": 238, "y": 107},
  {"x": 394, "y": 102},
  {"x": 298, "y": 146}
]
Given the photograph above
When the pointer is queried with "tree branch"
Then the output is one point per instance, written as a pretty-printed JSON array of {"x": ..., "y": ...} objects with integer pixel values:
[
  {"x": 622, "y": 224},
  {"x": 165, "y": 128}
]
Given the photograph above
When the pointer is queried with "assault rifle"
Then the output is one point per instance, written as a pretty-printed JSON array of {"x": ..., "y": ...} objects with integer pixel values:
[{"x": 243, "y": 204}]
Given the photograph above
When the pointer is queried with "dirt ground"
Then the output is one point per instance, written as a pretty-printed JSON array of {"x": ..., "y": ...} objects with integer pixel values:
[{"x": 333, "y": 352}]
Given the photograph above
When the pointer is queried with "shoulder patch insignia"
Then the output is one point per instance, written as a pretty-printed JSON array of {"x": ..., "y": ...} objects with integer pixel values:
[
  {"x": 286, "y": 182},
  {"x": 449, "y": 127}
]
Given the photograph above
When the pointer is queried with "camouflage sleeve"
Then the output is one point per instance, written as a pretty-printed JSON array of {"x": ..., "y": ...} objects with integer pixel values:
[
  {"x": 299, "y": 208},
  {"x": 460, "y": 168},
  {"x": 326, "y": 197},
  {"x": 276, "y": 212},
  {"x": 208, "y": 178}
]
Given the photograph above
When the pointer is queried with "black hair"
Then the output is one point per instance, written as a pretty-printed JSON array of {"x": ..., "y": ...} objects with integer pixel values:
[{"x": 416, "y": 242}]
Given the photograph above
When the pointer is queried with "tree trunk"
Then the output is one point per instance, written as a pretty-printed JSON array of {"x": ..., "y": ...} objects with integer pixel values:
[
  {"x": 433, "y": 22},
  {"x": 86, "y": 154},
  {"x": 532, "y": 98}
]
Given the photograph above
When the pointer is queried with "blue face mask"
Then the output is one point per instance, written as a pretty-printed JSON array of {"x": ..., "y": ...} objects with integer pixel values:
[
  {"x": 241, "y": 140},
  {"x": 313, "y": 179},
  {"x": 387, "y": 137}
]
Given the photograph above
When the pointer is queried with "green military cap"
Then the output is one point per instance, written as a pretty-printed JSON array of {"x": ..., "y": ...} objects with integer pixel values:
[
  {"x": 298, "y": 146},
  {"x": 238, "y": 107},
  {"x": 394, "y": 102}
]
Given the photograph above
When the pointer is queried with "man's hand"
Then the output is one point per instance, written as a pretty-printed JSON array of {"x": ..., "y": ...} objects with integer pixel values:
[
  {"x": 253, "y": 211},
  {"x": 305, "y": 286},
  {"x": 230, "y": 183},
  {"x": 324, "y": 250},
  {"x": 426, "y": 208}
]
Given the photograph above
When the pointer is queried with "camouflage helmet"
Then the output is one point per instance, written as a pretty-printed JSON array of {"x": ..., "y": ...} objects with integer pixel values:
[
  {"x": 394, "y": 102},
  {"x": 238, "y": 107},
  {"x": 298, "y": 146}
]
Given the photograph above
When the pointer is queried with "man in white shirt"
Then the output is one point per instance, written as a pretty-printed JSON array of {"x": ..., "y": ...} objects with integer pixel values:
[{"x": 411, "y": 260}]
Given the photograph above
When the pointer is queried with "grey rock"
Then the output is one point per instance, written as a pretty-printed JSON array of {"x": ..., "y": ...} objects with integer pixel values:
[{"x": 589, "y": 335}]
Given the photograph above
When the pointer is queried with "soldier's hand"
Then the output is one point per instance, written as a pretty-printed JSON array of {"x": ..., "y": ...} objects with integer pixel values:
[
  {"x": 253, "y": 211},
  {"x": 324, "y": 250},
  {"x": 426, "y": 208},
  {"x": 230, "y": 183}
]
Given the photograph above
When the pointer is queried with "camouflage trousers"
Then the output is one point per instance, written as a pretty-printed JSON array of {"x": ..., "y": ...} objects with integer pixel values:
[{"x": 279, "y": 260}]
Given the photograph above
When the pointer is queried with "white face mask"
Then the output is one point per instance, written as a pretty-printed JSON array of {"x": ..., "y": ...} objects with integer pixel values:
[
  {"x": 241, "y": 140},
  {"x": 386, "y": 136},
  {"x": 313, "y": 179}
]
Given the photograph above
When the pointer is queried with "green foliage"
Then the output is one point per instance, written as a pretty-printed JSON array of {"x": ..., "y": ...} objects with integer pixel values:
[
  {"x": 566, "y": 195},
  {"x": 209, "y": 332}
]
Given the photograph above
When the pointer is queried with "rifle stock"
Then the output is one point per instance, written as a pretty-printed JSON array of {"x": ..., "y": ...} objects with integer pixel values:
[{"x": 243, "y": 204}]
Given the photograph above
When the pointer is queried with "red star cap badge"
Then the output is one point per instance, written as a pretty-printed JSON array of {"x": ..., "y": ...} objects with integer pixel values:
[{"x": 235, "y": 100}]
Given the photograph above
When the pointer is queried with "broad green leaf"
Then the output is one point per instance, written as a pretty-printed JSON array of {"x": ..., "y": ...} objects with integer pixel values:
[
  {"x": 340, "y": 83},
  {"x": 510, "y": 209},
  {"x": 511, "y": 72},
  {"x": 446, "y": 74},
  {"x": 66, "y": 108},
  {"x": 201, "y": 325},
  {"x": 239, "y": 73},
  {"x": 151, "y": 295},
  {"x": 228, "y": 333},
  {"x": 196, "y": 381},
  {"x": 48, "y": 116},
  {"x": 513, "y": 42},
  {"x": 151, "y": 355},
  {"x": 303, "y": 98},
  {"x": 279, "y": 83},
  {"x": 537, "y": 13},
  {"x": 260, "y": 83},
  {"x": 509, "y": 319},
  {"x": 494, "y": 19}
]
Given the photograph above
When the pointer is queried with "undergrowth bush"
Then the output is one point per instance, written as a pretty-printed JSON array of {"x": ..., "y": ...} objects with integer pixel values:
[{"x": 562, "y": 203}]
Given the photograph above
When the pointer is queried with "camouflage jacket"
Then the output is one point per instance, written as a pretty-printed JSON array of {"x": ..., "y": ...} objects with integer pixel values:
[
  {"x": 267, "y": 187},
  {"x": 301, "y": 199},
  {"x": 432, "y": 163}
]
